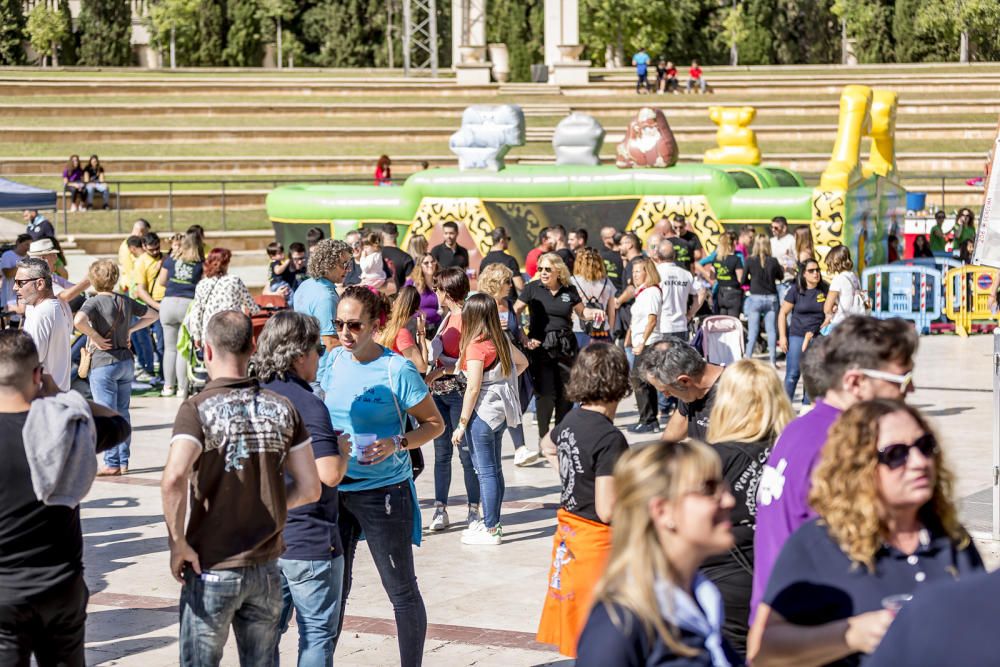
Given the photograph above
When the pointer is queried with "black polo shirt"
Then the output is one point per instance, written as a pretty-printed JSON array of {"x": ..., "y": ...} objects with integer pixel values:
[
  {"x": 446, "y": 257},
  {"x": 614, "y": 266},
  {"x": 814, "y": 582}
]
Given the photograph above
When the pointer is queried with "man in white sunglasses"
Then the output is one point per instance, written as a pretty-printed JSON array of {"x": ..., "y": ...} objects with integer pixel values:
[{"x": 863, "y": 358}]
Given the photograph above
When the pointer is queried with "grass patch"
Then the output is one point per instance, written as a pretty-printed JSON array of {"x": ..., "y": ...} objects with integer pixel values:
[{"x": 106, "y": 222}]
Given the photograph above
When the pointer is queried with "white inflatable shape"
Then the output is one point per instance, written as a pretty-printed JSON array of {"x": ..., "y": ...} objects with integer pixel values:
[
  {"x": 488, "y": 131},
  {"x": 578, "y": 139}
]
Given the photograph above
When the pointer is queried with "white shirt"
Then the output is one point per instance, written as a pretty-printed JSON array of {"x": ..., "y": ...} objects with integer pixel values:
[
  {"x": 846, "y": 284},
  {"x": 647, "y": 302},
  {"x": 50, "y": 325},
  {"x": 677, "y": 286},
  {"x": 783, "y": 250}
]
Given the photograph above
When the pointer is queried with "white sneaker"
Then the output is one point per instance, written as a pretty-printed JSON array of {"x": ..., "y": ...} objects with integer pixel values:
[
  {"x": 478, "y": 533},
  {"x": 168, "y": 392},
  {"x": 473, "y": 515},
  {"x": 525, "y": 457},
  {"x": 440, "y": 520}
]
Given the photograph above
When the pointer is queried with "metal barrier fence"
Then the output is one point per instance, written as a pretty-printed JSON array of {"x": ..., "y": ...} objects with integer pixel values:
[{"x": 115, "y": 187}]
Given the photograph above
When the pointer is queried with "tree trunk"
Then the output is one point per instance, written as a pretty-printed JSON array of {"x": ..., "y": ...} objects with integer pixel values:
[
  {"x": 388, "y": 31},
  {"x": 963, "y": 51},
  {"x": 173, "y": 49},
  {"x": 280, "y": 55},
  {"x": 55, "y": 54}
]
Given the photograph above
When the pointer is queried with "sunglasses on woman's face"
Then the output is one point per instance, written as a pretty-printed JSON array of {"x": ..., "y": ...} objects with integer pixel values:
[
  {"x": 546, "y": 269},
  {"x": 711, "y": 488},
  {"x": 896, "y": 455},
  {"x": 354, "y": 326},
  {"x": 812, "y": 270}
]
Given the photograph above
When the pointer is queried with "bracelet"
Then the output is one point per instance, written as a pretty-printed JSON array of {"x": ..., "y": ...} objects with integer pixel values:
[{"x": 399, "y": 443}]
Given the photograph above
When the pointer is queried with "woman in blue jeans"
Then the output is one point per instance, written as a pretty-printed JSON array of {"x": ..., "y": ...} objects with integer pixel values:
[
  {"x": 369, "y": 393},
  {"x": 491, "y": 365},
  {"x": 804, "y": 302},
  {"x": 104, "y": 319},
  {"x": 446, "y": 388},
  {"x": 763, "y": 273}
]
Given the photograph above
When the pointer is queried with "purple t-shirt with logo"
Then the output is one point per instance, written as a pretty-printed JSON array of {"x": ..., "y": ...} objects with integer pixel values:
[{"x": 783, "y": 494}]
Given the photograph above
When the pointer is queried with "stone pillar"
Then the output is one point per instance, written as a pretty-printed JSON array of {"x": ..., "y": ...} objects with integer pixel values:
[
  {"x": 562, "y": 28},
  {"x": 468, "y": 27}
]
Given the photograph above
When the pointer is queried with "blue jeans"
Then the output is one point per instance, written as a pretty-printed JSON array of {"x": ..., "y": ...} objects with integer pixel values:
[
  {"x": 485, "y": 443},
  {"x": 312, "y": 589},
  {"x": 792, "y": 371},
  {"x": 156, "y": 330},
  {"x": 142, "y": 345},
  {"x": 517, "y": 436},
  {"x": 248, "y": 598},
  {"x": 111, "y": 386},
  {"x": 755, "y": 306},
  {"x": 385, "y": 516},
  {"x": 450, "y": 407}
]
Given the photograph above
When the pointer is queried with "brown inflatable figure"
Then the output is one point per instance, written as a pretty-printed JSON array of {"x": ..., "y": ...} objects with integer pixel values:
[{"x": 648, "y": 142}]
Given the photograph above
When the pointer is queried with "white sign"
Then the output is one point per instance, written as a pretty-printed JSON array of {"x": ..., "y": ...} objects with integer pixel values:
[{"x": 988, "y": 237}]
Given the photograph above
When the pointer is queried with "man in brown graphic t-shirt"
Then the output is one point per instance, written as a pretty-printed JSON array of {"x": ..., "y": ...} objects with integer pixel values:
[{"x": 233, "y": 443}]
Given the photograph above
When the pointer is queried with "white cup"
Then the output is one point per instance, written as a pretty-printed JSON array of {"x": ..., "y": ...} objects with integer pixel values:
[{"x": 362, "y": 443}]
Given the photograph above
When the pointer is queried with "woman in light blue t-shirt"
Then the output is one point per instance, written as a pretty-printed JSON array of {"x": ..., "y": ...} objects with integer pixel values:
[{"x": 370, "y": 390}]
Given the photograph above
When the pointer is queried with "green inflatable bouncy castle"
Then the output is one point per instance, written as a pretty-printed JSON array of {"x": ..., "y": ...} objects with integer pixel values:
[{"x": 854, "y": 204}]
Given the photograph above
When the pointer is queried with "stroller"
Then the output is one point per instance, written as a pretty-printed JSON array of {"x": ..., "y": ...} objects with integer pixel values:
[{"x": 720, "y": 339}]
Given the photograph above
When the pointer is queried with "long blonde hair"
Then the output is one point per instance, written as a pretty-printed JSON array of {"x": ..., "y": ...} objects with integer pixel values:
[
  {"x": 407, "y": 303},
  {"x": 417, "y": 275},
  {"x": 750, "y": 404},
  {"x": 845, "y": 488},
  {"x": 481, "y": 321},
  {"x": 192, "y": 249},
  {"x": 725, "y": 247},
  {"x": 761, "y": 248},
  {"x": 417, "y": 246},
  {"x": 637, "y": 560},
  {"x": 804, "y": 243}
]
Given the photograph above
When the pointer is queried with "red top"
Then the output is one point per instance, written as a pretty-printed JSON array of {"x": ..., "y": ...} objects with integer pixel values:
[
  {"x": 482, "y": 350},
  {"x": 383, "y": 176},
  {"x": 531, "y": 261},
  {"x": 404, "y": 341},
  {"x": 671, "y": 72},
  {"x": 451, "y": 336},
  {"x": 695, "y": 72}
]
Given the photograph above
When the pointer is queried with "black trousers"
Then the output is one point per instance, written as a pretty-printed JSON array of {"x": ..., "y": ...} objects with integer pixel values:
[
  {"x": 646, "y": 400},
  {"x": 50, "y": 626},
  {"x": 550, "y": 375}
]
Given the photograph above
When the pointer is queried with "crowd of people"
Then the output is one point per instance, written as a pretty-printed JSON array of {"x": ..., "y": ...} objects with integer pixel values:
[
  {"x": 666, "y": 76},
  {"x": 744, "y": 532}
]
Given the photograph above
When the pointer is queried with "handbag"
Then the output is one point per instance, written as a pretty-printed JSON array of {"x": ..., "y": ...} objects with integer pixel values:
[{"x": 87, "y": 354}]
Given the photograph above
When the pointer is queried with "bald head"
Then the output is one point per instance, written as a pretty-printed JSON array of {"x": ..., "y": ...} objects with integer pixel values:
[
  {"x": 663, "y": 227},
  {"x": 666, "y": 251}
]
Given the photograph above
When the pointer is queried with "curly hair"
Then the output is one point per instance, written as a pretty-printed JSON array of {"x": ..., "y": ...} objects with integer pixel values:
[
  {"x": 600, "y": 375},
  {"x": 492, "y": 280},
  {"x": 217, "y": 262},
  {"x": 103, "y": 275},
  {"x": 589, "y": 265},
  {"x": 558, "y": 265},
  {"x": 325, "y": 256},
  {"x": 287, "y": 336},
  {"x": 845, "y": 490},
  {"x": 839, "y": 260}
]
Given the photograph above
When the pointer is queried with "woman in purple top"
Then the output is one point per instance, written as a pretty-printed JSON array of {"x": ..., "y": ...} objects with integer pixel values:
[
  {"x": 73, "y": 183},
  {"x": 424, "y": 280}
]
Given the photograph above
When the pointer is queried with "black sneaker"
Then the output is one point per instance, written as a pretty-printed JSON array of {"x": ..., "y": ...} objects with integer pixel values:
[{"x": 645, "y": 428}]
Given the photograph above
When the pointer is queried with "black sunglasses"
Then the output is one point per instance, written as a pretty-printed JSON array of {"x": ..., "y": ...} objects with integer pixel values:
[
  {"x": 711, "y": 488},
  {"x": 895, "y": 456},
  {"x": 24, "y": 281},
  {"x": 354, "y": 326}
]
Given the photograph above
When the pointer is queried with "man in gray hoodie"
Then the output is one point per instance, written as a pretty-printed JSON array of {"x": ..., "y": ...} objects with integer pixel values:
[{"x": 43, "y": 598}]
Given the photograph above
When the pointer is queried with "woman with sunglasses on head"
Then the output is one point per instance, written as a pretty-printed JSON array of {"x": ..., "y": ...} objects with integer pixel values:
[
  {"x": 551, "y": 302},
  {"x": 804, "y": 301},
  {"x": 369, "y": 393},
  {"x": 447, "y": 388},
  {"x": 887, "y": 527},
  {"x": 425, "y": 277},
  {"x": 749, "y": 413},
  {"x": 653, "y": 606},
  {"x": 583, "y": 449},
  {"x": 490, "y": 364}
]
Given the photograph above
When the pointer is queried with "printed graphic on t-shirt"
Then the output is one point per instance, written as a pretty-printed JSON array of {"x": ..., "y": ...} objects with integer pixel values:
[
  {"x": 245, "y": 422},
  {"x": 569, "y": 466},
  {"x": 772, "y": 483},
  {"x": 184, "y": 272},
  {"x": 750, "y": 480}
]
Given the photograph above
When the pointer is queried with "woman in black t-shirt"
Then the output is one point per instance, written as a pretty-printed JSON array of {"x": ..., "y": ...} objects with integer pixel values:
[
  {"x": 583, "y": 448},
  {"x": 763, "y": 275},
  {"x": 750, "y": 411},
  {"x": 728, "y": 269},
  {"x": 804, "y": 302},
  {"x": 551, "y": 301}
]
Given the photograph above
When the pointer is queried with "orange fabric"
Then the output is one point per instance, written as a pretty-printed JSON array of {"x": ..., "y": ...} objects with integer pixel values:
[{"x": 580, "y": 551}]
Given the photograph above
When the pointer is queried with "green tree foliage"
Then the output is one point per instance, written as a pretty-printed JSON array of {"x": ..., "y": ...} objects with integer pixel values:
[
  {"x": 68, "y": 46},
  {"x": 869, "y": 23},
  {"x": 520, "y": 24},
  {"x": 627, "y": 25},
  {"x": 245, "y": 39},
  {"x": 46, "y": 30},
  {"x": 105, "y": 33},
  {"x": 336, "y": 30},
  {"x": 981, "y": 18},
  {"x": 925, "y": 30},
  {"x": 197, "y": 31},
  {"x": 765, "y": 28},
  {"x": 211, "y": 34},
  {"x": 12, "y": 33}
]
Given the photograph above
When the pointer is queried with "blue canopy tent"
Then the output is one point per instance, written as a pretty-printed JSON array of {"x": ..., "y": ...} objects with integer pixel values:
[{"x": 17, "y": 197}]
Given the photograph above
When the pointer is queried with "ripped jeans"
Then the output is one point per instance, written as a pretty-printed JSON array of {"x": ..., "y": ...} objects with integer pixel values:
[{"x": 385, "y": 516}]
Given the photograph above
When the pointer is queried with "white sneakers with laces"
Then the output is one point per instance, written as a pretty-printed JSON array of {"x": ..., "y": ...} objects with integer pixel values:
[
  {"x": 478, "y": 534},
  {"x": 440, "y": 520},
  {"x": 524, "y": 456}
]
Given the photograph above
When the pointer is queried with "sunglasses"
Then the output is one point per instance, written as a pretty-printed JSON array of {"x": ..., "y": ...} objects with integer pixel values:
[
  {"x": 905, "y": 382},
  {"x": 24, "y": 281},
  {"x": 895, "y": 456},
  {"x": 711, "y": 488},
  {"x": 546, "y": 269},
  {"x": 354, "y": 326},
  {"x": 812, "y": 270}
]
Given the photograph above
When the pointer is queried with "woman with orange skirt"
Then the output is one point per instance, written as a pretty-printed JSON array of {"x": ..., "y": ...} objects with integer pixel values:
[{"x": 584, "y": 448}]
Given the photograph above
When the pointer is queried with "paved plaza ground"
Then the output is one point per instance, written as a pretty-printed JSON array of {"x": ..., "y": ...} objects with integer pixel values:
[{"x": 483, "y": 603}]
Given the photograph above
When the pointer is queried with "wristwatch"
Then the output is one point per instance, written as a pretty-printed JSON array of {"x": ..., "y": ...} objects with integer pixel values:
[
  {"x": 463, "y": 422},
  {"x": 400, "y": 442}
]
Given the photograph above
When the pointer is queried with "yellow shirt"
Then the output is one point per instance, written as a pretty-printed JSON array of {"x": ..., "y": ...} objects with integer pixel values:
[{"x": 145, "y": 273}]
